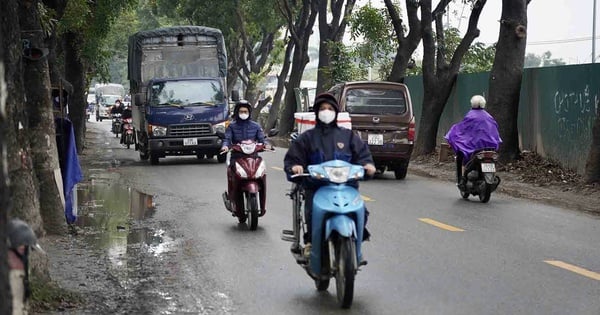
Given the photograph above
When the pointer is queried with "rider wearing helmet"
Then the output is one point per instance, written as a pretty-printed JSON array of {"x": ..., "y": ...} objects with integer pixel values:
[{"x": 240, "y": 129}]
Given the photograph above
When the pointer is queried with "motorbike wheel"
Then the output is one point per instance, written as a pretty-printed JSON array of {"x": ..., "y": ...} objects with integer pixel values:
[
  {"x": 344, "y": 276},
  {"x": 252, "y": 203},
  {"x": 322, "y": 285},
  {"x": 485, "y": 195}
]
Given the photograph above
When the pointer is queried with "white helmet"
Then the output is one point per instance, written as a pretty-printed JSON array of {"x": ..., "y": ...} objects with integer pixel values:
[{"x": 477, "y": 101}]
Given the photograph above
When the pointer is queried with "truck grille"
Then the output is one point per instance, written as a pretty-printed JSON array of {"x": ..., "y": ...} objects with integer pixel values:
[{"x": 190, "y": 130}]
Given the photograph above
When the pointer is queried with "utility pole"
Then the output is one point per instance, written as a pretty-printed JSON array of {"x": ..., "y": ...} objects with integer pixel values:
[{"x": 594, "y": 34}]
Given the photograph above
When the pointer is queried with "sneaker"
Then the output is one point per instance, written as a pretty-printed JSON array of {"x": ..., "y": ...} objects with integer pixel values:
[{"x": 307, "y": 249}]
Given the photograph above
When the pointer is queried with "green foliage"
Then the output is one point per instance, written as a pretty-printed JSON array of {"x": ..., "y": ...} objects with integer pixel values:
[
  {"x": 543, "y": 60},
  {"x": 343, "y": 66},
  {"x": 375, "y": 28},
  {"x": 479, "y": 57}
]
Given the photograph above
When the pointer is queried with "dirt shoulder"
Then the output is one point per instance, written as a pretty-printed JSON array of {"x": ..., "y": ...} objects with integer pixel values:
[{"x": 532, "y": 177}]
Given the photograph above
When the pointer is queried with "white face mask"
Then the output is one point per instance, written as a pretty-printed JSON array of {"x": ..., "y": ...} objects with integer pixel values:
[
  {"x": 243, "y": 116},
  {"x": 326, "y": 116}
]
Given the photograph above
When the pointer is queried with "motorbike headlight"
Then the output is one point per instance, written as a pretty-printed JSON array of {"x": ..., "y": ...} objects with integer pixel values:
[
  {"x": 338, "y": 175},
  {"x": 240, "y": 170},
  {"x": 248, "y": 148},
  {"x": 159, "y": 131},
  {"x": 261, "y": 170}
]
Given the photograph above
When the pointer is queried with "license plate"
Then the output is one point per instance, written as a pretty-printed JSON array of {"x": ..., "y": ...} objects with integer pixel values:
[
  {"x": 375, "y": 139},
  {"x": 190, "y": 141},
  {"x": 488, "y": 167}
]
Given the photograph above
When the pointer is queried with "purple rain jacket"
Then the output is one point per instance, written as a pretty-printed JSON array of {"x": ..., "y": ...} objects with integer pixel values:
[{"x": 476, "y": 131}]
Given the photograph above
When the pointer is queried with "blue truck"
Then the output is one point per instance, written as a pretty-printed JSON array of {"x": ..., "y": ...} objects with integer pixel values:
[{"x": 180, "y": 104}]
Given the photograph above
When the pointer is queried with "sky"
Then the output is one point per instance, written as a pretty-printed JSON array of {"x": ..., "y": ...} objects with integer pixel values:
[{"x": 563, "y": 27}]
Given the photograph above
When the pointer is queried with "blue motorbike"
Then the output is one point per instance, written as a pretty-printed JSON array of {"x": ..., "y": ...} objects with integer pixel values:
[{"x": 337, "y": 227}]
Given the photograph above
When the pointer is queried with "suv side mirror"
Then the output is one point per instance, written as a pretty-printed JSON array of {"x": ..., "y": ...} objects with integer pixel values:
[
  {"x": 235, "y": 95},
  {"x": 139, "y": 99}
]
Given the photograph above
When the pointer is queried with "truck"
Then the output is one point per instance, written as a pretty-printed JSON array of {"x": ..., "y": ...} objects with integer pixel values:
[
  {"x": 106, "y": 96},
  {"x": 178, "y": 79}
]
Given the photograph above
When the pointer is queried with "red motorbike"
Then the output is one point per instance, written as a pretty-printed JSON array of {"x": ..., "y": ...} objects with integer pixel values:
[
  {"x": 128, "y": 134},
  {"x": 247, "y": 183}
]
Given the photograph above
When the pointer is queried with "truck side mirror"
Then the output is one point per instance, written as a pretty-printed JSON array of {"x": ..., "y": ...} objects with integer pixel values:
[
  {"x": 235, "y": 95},
  {"x": 139, "y": 99}
]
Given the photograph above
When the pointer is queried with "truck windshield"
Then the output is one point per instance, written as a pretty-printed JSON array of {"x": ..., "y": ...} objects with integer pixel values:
[
  {"x": 107, "y": 100},
  {"x": 375, "y": 101},
  {"x": 187, "y": 93}
]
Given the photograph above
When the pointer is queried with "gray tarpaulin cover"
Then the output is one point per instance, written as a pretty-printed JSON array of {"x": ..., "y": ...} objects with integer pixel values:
[{"x": 165, "y": 40}]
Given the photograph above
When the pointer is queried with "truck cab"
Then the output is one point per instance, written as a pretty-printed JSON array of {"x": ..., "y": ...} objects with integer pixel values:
[{"x": 181, "y": 117}]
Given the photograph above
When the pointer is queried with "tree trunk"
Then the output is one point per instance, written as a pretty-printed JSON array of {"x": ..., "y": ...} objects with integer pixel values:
[
  {"x": 300, "y": 35},
  {"x": 334, "y": 32},
  {"x": 274, "y": 112},
  {"x": 433, "y": 104},
  {"x": 439, "y": 75},
  {"x": 592, "y": 167},
  {"x": 406, "y": 44},
  {"x": 7, "y": 9},
  {"x": 41, "y": 129},
  {"x": 506, "y": 75},
  {"x": 75, "y": 74}
]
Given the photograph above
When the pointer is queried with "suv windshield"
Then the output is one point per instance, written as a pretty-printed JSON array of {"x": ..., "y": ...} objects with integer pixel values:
[
  {"x": 375, "y": 101},
  {"x": 187, "y": 93}
]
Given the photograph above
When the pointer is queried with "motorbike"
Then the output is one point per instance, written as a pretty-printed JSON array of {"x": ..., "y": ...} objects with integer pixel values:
[
  {"x": 480, "y": 175},
  {"x": 337, "y": 227},
  {"x": 116, "y": 124},
  {"x": 128, "y": 133},
  {"x": 246, "y": 184}
]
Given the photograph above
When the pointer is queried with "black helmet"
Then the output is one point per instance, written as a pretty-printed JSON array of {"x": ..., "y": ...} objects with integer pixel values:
[
  {"x": 21, "y": 234},
  {"x": 326, "y": 97},
  {"x": 241, "y": 103}
]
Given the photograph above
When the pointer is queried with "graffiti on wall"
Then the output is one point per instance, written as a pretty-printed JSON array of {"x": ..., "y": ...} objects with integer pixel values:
[{"x": 576, "y": 112}]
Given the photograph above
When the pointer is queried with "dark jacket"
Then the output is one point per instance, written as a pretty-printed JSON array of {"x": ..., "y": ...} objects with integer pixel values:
[
  {"x": 116, "y": 110},
  {"x": 324, "y": 143},
  {"x": 240, "y": 130}
]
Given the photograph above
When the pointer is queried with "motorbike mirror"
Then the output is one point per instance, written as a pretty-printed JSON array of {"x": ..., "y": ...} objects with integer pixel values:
[{"x": 273, "y": 132}]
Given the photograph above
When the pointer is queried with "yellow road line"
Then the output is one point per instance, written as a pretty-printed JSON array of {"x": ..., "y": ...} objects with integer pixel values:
[
  {"x": 575, "y": 269},
  {"x": 441, "y": 225},
  {"x": 277, "y": 168},
  {"x": 365, "y": 198}
]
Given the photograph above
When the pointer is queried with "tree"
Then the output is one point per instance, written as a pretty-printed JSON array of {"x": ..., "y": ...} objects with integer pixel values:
[
  {"x": 281, "y": 80},
  {"x": 506, "y": 75},
  {"x": 439, "y": 75},
  {"x": 330, "y": 32},
  {"x": 41, "y": 126},
  {"x": 407, "y": 43},
  {"x": 300, "y": 23},
  {"x": 7, "y": 8}
]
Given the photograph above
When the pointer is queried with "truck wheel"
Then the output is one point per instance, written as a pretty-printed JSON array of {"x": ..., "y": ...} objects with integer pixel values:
[
  {"x": 221, "y": 158},
  {"x": 153, "y": 159}
]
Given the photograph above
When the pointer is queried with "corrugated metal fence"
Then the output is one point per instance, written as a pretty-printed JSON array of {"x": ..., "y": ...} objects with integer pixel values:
[{"x": 558, "y": 107}]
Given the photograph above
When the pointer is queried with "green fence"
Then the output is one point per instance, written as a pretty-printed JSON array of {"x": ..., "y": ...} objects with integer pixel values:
[{"x": 557, "y": 109}]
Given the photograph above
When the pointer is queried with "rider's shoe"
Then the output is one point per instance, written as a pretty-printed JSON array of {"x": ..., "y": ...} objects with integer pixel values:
[
  {"x": 262, "y": 212},
  {"x": 366, "y": 235},
  {"x": 307, "y": 249}
]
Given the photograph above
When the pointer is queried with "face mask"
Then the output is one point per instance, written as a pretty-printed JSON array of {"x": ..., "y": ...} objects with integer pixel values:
[
  {"x": 326, "y": 116},
  {"x": 243, "y": 116}
]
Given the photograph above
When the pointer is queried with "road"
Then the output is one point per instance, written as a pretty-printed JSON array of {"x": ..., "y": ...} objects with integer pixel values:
[{"x": 431, "y": 252}]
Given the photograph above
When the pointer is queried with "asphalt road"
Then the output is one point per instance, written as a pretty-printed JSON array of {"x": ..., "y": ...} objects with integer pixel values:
[{"x": 431, "y": 252}]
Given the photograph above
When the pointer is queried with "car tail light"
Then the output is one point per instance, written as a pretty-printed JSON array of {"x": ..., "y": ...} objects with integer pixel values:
[{"x": 411, "y": 129}]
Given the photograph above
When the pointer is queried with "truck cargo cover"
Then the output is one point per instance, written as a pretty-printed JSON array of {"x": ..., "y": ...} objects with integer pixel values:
[{"x": 165, "y": 35}]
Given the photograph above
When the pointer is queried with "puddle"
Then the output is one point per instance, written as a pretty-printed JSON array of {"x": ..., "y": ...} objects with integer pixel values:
[{"x": 110, "y": 216}]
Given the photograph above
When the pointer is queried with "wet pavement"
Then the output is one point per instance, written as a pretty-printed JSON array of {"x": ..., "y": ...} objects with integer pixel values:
[{"x": 157, "y": 240}]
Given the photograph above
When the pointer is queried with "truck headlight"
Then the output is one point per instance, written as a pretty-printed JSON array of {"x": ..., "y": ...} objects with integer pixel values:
[
  {"x": 220, "y": 127},
  {"x": 159, "y": 131}
]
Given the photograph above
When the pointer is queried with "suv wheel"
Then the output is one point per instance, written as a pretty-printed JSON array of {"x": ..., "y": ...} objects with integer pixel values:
[{"x": 401, "y": 170}]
